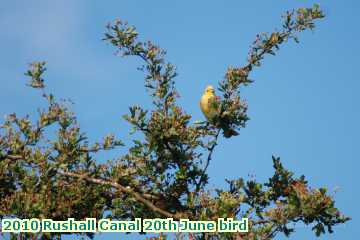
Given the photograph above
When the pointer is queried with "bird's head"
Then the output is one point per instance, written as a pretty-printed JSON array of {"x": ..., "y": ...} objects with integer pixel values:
[{"x": 209, "y": 90}]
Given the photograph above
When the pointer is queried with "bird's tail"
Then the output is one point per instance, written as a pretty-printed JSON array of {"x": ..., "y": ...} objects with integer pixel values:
[{"x": 229, "y": 132}]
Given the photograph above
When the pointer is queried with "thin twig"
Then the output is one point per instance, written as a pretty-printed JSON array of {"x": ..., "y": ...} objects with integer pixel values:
[{"x": 211, "y": 150}]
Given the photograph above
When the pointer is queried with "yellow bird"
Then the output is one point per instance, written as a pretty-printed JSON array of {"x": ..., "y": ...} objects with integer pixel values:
[
  {"x": 208, "y": 103},
  {"x": 210, "y": 106}
]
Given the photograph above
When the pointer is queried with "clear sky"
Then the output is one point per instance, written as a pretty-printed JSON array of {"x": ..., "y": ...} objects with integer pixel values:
[{"x": 303, "y": 105}]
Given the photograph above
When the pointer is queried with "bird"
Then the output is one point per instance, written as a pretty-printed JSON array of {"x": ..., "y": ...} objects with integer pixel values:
[{"x": 210, "y": 105}]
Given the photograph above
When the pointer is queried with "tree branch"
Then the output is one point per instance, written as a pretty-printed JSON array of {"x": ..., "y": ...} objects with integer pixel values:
[{"x": 127, "y": 190}]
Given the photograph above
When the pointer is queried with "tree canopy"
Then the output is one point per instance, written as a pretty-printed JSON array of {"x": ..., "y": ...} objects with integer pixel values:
[{"x": 48, "y": 168}]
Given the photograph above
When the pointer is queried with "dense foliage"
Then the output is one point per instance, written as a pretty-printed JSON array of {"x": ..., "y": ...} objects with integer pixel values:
[{"x": 46, "y": 174}]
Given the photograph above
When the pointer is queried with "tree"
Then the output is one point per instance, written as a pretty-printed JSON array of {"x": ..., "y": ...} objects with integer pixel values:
[{"x": 164, "y": 173}]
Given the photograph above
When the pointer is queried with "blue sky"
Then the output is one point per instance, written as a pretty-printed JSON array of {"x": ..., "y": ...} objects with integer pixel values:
[{"x": 303, "y": 105}]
